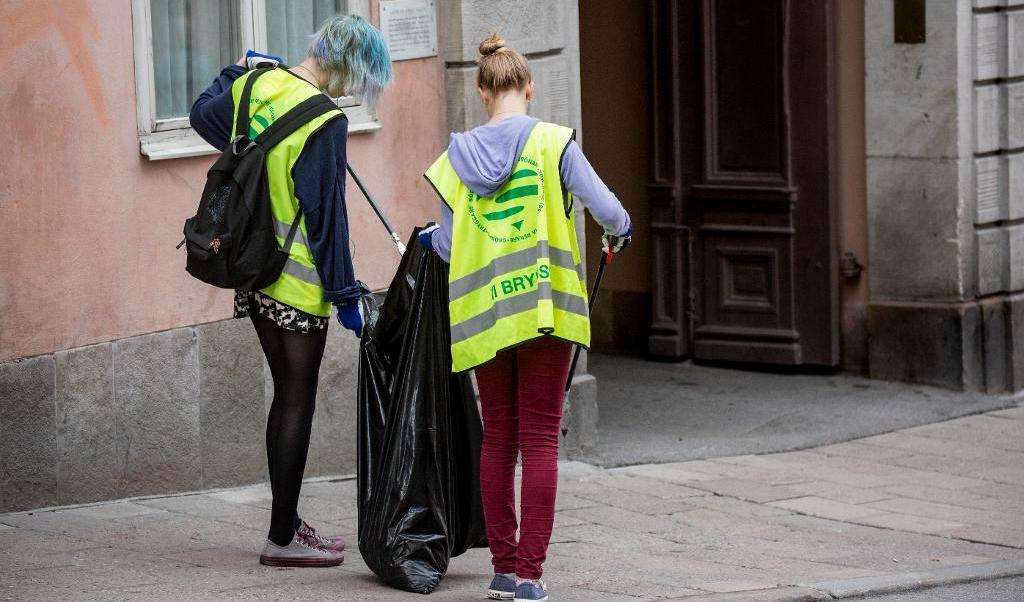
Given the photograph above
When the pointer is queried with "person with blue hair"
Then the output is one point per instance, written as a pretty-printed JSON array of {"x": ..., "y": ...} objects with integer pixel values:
[{"x": 306, "y": 178}]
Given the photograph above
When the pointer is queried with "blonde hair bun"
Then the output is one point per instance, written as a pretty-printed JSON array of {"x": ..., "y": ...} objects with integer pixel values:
[
  {"x": 499, "y": 67},
  {"x": 492, "y": 44}
]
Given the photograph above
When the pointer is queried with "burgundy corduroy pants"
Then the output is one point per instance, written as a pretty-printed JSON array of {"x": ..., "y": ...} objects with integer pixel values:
[{"x": 521, "y": 400}]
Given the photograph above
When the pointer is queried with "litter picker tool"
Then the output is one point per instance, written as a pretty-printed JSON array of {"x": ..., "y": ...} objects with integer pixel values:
[
  {"x": 606, "y": 258},
  {"x": 376, "y": 209}
]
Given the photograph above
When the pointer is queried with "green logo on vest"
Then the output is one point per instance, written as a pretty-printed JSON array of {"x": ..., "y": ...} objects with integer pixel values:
[
  {"x": 523, "y": 282},
  {"x": 511, "y": 215},
  {"x": 259, "y": 120}
]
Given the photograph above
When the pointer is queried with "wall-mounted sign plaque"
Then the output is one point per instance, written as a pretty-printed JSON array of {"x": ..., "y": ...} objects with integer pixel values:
[{"x": 410, "y": 27}]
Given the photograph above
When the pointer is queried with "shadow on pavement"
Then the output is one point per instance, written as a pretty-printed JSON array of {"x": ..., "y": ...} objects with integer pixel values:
[{"x": 651, "y": 412}]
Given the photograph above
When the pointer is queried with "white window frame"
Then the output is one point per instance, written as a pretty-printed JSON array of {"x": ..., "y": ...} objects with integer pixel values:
[{"x": 174, "y": 138}]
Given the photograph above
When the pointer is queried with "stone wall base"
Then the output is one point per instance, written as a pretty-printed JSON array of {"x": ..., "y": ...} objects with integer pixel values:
[
  {"x": 173, "y": 411},
  {"x": 973, "y": 346},
  {"x": 579, "y": 419}
]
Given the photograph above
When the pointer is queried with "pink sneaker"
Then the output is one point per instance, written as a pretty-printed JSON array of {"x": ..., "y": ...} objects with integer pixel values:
[
  {"x": 334, "y": 544},
  {"x": 300, "y": 552}
]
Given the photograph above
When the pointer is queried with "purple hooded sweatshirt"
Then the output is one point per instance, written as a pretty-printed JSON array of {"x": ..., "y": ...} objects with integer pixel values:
[{"x": 484, "y": 157}]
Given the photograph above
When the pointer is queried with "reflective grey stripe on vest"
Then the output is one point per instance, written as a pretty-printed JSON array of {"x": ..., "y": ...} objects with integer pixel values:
[
  {"x": 517, "y": 305},
  {"x": 573, "y": 304},
  {"x": 302, "y": 272},
  {"x": 520, "y": 260},
  {"x": 282, "y": 229},
  {"x": 563, "y": 258},
  {"x": 292, "y": 267}
]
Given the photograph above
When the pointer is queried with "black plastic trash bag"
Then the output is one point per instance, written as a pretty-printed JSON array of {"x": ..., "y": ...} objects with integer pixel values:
[{"x": 419, "y": 432}]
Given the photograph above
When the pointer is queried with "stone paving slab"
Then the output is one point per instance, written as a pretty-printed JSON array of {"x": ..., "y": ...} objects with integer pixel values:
[
  {"x": 801, "y": 525},
  {"x": 863, "y": 449},
  {"x": 947, "y": 512},
  {"x": 746, "y": 489},
  {"x": 909, "y": 522},
  {"x": 600, "y": 494},
  {"x": 963, "y": 499},
  {"x": 1003, "y": 536},
  {"x": 654, "y": 487},
  {"x": 114, "y": 510},
  {"x": 842, "y": 493},
  {"x": 825, "y": 508}
]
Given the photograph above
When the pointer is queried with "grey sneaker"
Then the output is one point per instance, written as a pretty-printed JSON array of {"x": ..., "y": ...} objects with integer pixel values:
[
  {"x": 531, "y": 591},
  {"x": 502, "y": 587},
  {"x": 300, "y": 552},
  {"x": 334, "y": 544}
]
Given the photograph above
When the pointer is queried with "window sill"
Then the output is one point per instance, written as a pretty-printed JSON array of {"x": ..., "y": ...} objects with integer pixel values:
[
  {"x": 179, "y": 144},
  {"x": 175, "y": 144}
]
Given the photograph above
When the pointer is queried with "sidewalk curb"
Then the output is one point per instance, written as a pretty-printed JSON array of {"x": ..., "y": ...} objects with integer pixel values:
[
  {"x": 160, "y": 496},
  {"x": 789, "y": 593},
  {"x": 886, "y": 584},
  {"x": 878, "y": 585}
]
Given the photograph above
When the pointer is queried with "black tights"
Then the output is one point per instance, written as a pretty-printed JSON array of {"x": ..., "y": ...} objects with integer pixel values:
[{"x": 294, "y": 360}]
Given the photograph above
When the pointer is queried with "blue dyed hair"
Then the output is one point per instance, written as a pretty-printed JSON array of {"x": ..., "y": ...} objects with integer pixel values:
[{"x": 354, "y": 54}]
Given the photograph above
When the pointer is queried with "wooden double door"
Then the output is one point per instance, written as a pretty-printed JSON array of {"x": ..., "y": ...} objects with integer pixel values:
[{"x": 741, "y": 194}]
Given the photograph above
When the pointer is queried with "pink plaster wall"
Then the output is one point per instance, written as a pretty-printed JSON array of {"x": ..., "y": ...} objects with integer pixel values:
[
  {"x": 851, "y": 181},
  {"x": 90, "y": 224}
]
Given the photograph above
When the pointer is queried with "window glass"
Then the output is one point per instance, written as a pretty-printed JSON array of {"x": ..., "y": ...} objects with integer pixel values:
[
  {"x": 192, "y": 41},
  {"x": 290, "y": 23}
]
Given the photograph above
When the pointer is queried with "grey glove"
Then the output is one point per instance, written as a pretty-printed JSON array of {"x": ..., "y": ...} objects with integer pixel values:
[{"x": 616, "y": 243}]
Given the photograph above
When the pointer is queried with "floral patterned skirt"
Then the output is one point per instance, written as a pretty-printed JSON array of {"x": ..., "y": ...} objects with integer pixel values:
[{"x": 285, "y": 316}]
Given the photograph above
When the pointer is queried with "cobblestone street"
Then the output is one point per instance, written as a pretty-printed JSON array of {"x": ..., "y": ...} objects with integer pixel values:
[{"x": 930, "y": 505}]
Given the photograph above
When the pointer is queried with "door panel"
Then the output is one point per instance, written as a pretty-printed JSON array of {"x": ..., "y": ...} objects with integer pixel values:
[
  {"x": 757, "y": 213},
  {"x": 675, "y": 103},
  {"x": 746, "y": 124}
]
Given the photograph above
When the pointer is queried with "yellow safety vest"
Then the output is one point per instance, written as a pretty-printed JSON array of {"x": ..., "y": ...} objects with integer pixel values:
[
  {"x": 515, "y": 270},
  {"x": 274, "y": 94}
]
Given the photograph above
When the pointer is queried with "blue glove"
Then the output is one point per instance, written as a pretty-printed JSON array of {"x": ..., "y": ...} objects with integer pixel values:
[
  {"x": 426, "y": 237},
  {"x": 254, "y": 59},
  {"x": 349, "y": 316}
]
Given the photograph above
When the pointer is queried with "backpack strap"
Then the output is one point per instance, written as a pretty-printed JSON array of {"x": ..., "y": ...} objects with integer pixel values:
[
  {"x": 291, "y": 232},
  {"x": 284, "y": 126},
  {"x": 298, "y": 116},
  {"x": 242, "y": 118}
]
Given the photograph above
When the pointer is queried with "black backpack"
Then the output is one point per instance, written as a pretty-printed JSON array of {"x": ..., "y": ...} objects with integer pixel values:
[{"x": 230, "y": 242}]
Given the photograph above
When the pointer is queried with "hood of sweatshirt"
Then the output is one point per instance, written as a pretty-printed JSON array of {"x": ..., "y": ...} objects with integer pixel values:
[{"x": 484, "y": 156}]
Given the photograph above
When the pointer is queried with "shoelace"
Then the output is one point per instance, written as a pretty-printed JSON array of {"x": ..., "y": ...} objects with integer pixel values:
[
  {"x": 305, "y": 541},
  {"x": 311, "y": 533}
]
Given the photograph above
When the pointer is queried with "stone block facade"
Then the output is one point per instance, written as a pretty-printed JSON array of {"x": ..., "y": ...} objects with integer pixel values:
[
  {"x": 179, "y": 410},
  {"x": 545, "y": 31},
  {"x": 156, "y": 412},
  {"x": 232, "y": 421},
  {"x": 945, "y": 170},
  {"x": 88, "y": 468},
  {"x": 28, "y": 432}
]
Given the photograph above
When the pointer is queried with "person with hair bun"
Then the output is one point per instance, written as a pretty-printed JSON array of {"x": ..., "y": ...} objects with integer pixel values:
[
  {"x": 517, "y": 298},
  {"x": 306, "y": 181}
]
